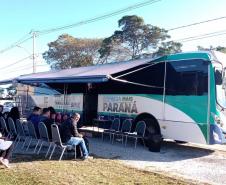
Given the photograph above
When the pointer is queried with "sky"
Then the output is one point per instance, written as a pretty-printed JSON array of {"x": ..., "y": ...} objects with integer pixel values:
[{"x": 19, "y": 17}]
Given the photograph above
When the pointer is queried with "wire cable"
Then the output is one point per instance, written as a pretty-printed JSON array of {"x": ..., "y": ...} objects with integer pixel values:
[
  {"x": 98, "y": 18},
  {"x": 20, "y": 41},
  {"x": 18, "y": 61},
  {"x": 197, "y": 23},
  {"x": 47, "y": 31},
  {"x": 202, "y": 36},
  {"x": 25, "y": 68}
]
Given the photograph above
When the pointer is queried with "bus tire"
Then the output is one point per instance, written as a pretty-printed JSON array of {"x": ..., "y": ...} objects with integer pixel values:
[{"x": 153, "y": 138}]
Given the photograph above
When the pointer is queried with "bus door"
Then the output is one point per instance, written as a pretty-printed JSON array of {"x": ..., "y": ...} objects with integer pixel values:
[{"x": 89, "y": 107}]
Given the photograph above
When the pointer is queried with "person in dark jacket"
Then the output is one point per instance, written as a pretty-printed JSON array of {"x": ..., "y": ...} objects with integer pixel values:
[
  {"x": 1, "y": 115},
  {"x": 1, "y": 110},
  {"x": 14, "y": 114},
  {"x": 35, "y": 118},
  {"x": 65, "y": 116},
  {"x": 71, "y": 136},
  {"x": 58, "y": 119},
  {"x": 45, "y": 118}
]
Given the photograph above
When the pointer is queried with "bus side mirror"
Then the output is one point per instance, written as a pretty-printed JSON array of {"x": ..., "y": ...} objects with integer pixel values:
[{"x": 218, "y": 77}]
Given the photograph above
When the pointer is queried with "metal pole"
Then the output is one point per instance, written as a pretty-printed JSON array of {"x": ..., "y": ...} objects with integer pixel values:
[
  {"x": 33, "y": 55},
  {"x": 208, "y": 108}
]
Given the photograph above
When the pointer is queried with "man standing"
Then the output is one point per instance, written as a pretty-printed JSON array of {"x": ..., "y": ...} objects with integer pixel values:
[{"x": 70, "y": 135}]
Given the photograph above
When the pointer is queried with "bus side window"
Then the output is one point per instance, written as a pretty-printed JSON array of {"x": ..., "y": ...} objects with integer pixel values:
[{"x": 187, "y": 77}]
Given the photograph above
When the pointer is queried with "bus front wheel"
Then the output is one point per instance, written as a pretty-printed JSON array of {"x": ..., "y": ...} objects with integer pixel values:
[{"x": 153, "y": 138}]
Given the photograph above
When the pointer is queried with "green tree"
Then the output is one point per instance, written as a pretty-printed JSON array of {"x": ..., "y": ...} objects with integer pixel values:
[
  {"x": 169, "y": 48},
  {"x": 134, "y": 39},
  {"x": 69, "y": 52},
  {"x": 201, "y": 48},
  {"x": 221, "y": 49},
  {"x": 218, "y": 48}
]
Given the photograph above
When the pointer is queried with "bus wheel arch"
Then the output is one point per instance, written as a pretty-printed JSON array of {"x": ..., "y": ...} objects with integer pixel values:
[
  {"x": 151, "y": 122},
  {"x": 152, "y": 136}
]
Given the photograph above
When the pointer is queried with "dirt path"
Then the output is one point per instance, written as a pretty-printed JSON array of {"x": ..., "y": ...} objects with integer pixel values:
[{"x": 193, "y": 163}]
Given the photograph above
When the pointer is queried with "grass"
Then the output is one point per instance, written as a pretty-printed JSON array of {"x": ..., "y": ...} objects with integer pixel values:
[{"x": 29, "y": 170}]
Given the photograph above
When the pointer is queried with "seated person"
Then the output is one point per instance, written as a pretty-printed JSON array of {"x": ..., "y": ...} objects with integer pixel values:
[
  {"x": 58, "y": 118},
  {"x": 1, "y": 110},
  {"x": 1, "y": 115},
  {"x": 52, "y": 110},
  {"x": 70, "y": 135},
  {"x": 53, "y": 116},
  {"x": 65, "y": 116},
  {"x": 5, "y": 151},
  {"x": 35, "y": 118},
  {"x": 14, "y": 114},
  {"x": 45, "y": 118}
]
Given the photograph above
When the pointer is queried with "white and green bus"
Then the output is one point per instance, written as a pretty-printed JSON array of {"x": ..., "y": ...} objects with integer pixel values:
[{"x": 179, "y": 96}]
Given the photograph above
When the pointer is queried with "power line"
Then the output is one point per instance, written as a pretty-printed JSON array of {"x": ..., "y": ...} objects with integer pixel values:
[
  {"x": 199, "y": 38},
  {"x": 105, "y": 16},
  {"x": 18, "y": 61},
  {"x": 8, "y": 67},
  {"x": 197, "y": 23},
  {"x": 202, "y": 36},
  {"x": 47, "y": 31},
  {"x": 24, "y": 68},
  {"x": 182, "y": 40},
  {"x": 20, "y": 41}
]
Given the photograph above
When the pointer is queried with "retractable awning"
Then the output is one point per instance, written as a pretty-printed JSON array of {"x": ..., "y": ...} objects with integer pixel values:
[{"x": 91, "y": 74}]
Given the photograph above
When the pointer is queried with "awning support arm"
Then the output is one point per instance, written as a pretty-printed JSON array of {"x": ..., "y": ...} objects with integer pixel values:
[
  {"x": 134, "y": 83},
  {"x": 152, "y": 64}
]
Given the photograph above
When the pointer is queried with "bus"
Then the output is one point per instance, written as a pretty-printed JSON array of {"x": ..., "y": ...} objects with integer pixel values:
[{"x": 179, "y": 96}]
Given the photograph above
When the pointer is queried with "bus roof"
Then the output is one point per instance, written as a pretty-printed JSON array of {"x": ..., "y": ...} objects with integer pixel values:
[{"x": 205, "y": 55}]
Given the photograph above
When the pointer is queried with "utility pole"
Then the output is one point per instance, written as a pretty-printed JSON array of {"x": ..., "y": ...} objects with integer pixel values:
[{"x": 33, "y": 54}]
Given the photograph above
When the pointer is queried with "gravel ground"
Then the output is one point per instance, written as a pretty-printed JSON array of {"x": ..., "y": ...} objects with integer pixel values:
[{"x": 202, "y": 164}]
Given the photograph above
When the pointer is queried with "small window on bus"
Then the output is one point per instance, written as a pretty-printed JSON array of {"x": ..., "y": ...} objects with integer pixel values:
[{"x": 218, "y": 77}]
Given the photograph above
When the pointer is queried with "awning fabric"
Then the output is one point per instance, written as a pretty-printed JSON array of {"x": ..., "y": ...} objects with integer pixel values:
[{"x": 91, "y": 74}]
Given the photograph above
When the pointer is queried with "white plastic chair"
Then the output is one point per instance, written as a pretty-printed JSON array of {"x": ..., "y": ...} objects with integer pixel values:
[
  {"x": 32, "y": 135},
  {"x": 56, "y": 139},
  {"x": 44, "y": 137}
]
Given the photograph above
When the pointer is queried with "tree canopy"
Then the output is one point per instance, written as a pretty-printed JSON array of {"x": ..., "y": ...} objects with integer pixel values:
[
  {"x": 69, "y": 52},
  {"x": 134, "y": 39},
  {"x": 218, "y": 48}
]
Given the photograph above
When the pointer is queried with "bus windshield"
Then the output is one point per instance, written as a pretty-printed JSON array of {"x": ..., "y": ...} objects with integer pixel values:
[{"x": 220, "y": 81}]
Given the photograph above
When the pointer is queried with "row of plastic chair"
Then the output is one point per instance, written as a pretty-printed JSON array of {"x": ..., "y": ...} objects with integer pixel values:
[
  {"x": 18, "y": 131},
  {"x": 125, "y": 131},
  {"x": 44, "y": 138}
]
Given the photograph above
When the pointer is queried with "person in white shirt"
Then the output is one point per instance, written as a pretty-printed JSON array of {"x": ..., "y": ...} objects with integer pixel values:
[{"x": 6, "y": 147}]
